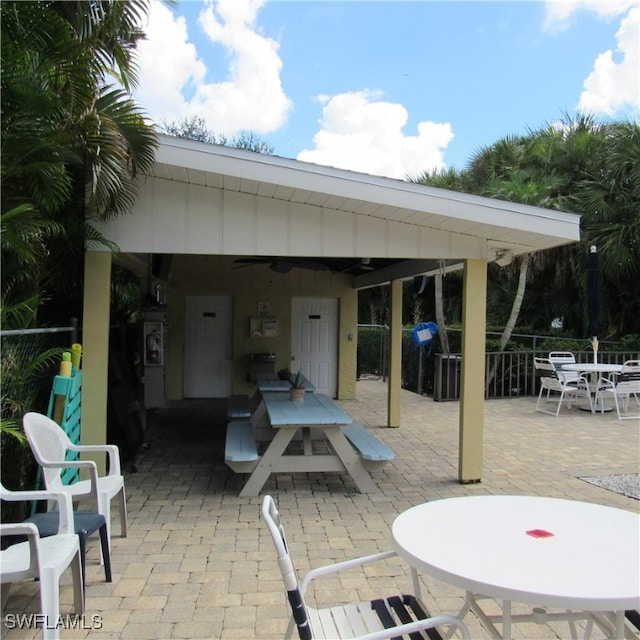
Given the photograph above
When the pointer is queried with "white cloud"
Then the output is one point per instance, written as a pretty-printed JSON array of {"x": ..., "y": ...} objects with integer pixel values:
[
  {"x": 360, "y": 133},
  {"x": 559, "y": 12},
  {"x": 168, "y": 63},
  {"x": 250, "y": 98},
  {"x": 615, "y": 85}
]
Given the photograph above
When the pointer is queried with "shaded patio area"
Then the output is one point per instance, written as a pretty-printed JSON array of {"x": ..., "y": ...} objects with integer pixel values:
[{"x": 198, "y": 562}]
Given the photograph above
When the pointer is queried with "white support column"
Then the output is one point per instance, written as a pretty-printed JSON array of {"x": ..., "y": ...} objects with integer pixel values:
[
  {"x": 95, "y": 347},
  {"x": 395, "y": 355},
  {"x": 474, "y": 314}
]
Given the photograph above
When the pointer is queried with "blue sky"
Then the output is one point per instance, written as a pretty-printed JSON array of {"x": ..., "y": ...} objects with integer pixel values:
[{"x": 389, "y": 87}]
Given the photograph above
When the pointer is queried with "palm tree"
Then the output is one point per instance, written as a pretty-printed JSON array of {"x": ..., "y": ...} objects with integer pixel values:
[
  {"x": 71, "y": 143},
  {"x": 578, "y": 165}
]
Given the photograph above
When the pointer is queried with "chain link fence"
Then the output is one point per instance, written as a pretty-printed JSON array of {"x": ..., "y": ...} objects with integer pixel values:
[{"x": 27, "y": 378}]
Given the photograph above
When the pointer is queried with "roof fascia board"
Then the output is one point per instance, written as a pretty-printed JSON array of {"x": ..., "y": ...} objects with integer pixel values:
[{"x": 349, "y": 184}]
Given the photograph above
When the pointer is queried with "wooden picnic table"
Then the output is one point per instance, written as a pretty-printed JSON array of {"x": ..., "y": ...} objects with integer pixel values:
[
  {"x": 285, "y": 418},
  {"x": 271, "y": 382}
]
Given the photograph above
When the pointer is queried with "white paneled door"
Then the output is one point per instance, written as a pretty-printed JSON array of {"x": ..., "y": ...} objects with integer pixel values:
[
  {"x": 207, "y": 347},
  {"x": 314, "y": 341}
]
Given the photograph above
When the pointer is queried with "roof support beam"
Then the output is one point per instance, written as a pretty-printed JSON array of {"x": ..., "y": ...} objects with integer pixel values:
[
  {"x": 395, "y": 355},
  {"x": 474, "y": 314},
  {"x": 404, "y": 271},
  {"x": 95, "y": 347}
]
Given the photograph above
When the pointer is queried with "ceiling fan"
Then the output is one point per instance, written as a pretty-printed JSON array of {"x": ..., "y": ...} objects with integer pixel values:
[
  {"x": 283, "y": 265},
  {"x": 363, "y": 265}
]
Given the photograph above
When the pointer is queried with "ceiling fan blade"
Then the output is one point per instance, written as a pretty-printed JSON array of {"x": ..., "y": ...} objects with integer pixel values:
[
  {"x": 284, "y": 264},
  {"x": 249, "y": 262},
  {"x": 363, "y": 265},
  {"x": 303, "y": 263}
]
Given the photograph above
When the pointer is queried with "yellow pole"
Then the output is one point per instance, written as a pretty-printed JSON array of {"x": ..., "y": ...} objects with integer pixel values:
[
  {"x": 95, "y": 343},
  {"x": 395, "y": 355},
  {"x": 474, "y": 314}
]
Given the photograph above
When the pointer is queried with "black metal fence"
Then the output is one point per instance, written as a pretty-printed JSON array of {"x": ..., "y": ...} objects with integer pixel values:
[{"x": 424, "y": 371}]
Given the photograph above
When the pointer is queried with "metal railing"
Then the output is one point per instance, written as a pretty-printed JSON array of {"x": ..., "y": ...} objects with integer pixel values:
[{"x": 507, "y": 374}]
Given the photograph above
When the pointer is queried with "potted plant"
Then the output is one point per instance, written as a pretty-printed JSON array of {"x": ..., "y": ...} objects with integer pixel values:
[
  {"x": 297, "y": 391},
  {"x": 284, "y": 373}
]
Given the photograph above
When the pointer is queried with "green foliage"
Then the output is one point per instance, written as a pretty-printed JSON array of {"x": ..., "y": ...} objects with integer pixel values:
[
  {"x": 284, "y": 373},
  {"x": 11, "y": 428},
  {"x": 563, "y": 344},
  {"x": 579, "y": 165},
  {"x": 630, "y": 342},
  {"x": 72, "y": 144},
  {"x": 19, "y": 369},
  {"x": 297, "y": 381},
  {"x": 195, "y": 128}
]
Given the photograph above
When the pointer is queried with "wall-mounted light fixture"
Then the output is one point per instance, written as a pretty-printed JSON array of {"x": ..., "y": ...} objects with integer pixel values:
[{"x": 504, "y": 257}]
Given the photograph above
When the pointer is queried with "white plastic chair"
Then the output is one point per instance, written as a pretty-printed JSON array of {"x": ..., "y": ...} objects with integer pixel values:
[
  {"x": 551, "y": 383},
  {"x": 560, "y": 358},
  {"x": 391, "y": 617},
  {"x": 43, "y": 559},
  {"x": 49, "y": 444},
  {"x": 621, "y": 386}
]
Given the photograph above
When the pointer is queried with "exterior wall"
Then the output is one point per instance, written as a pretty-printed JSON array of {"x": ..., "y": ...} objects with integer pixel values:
[{"x": 216, "y": 275}]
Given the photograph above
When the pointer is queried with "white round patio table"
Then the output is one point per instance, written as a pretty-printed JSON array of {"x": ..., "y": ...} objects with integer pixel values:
[
  {"x": 593, "y": 369},
  {"x": 544, "y": 552}
]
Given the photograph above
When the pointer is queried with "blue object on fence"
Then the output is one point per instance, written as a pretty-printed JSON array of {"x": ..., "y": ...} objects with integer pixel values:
[{"x": 424, "y": 333}]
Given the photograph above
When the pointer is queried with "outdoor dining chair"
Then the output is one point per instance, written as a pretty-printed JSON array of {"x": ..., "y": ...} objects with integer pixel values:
[
  {"x": 391, "y": 617},
  {"x": 85, "y": 523},
  {"x": 50, "y": 444},
  {"x": 621, "y": 387},
  {"x": 556, "y": 389},
  {"x": 43, "y": 559},
  {"x": 559, "y": 358}
]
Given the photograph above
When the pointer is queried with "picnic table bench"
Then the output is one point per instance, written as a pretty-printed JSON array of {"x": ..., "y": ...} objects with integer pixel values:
[
  {"x": 239, "y": 407},
  {"x": 374, "y": 452},
  {"x": 240, "y": 448}
]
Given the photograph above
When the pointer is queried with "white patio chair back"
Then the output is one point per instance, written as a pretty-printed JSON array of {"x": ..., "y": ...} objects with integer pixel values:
[
  {"x": 560, "y": 358},
  {"x": 555, "y": 388},
  {"x": 49, "y": 444},
  {"x": 374, "y": 620},
  {"x": 43, "y": 559},
  {"x": 622, "y": 387}
]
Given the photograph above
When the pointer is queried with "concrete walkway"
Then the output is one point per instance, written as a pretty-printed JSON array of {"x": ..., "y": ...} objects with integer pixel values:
[{"x": 198, "y": 562}]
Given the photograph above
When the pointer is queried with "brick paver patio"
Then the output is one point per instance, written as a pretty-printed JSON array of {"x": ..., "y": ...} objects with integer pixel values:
[{"x": 198, "y": 562}]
